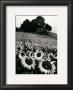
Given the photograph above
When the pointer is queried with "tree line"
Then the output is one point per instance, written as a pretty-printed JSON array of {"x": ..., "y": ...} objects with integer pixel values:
[{"x": 36, "y": 25}]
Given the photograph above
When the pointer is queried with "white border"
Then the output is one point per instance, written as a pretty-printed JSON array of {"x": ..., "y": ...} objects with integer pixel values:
[{"x": 61, "y": 77}]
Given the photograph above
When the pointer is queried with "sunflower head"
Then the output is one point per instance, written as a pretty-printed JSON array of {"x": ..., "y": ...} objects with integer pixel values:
[
  {"x": 21, "y": 55},
  {"x": 38, "y": 55},
  {"x": 28, "y": 62},
  {"x": 19, "y": 47},
  {"x": 46, "y": 67}
]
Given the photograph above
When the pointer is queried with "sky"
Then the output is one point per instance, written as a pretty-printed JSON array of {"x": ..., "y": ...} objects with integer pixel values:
[{"x": 51, "y": 20}]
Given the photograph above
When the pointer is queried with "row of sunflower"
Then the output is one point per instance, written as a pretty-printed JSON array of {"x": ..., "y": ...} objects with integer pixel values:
[{"x": 35, "y": 60}]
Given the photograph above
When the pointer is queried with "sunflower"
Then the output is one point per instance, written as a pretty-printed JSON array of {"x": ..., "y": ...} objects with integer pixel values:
[
  {"x": 38, "y": 55},
  {"x": 21, "y": 55},
  {"x": 47, "y": 67},
  {"x": 18, "y": 48},
  {"x": 28, "y": 62}
]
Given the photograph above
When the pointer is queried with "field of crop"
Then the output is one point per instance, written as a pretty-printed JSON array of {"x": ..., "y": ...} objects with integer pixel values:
[
  {"x": 35, "y": 54},
  {"x": 37, "y": 40}
]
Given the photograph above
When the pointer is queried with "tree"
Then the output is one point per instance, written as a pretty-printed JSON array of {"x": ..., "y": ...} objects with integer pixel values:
[
  {"x": 48, "y": 27},
  {"x": 34, "y": 25},
  {"x": 17, "y": 29},
  {"x": 26, "y": 26},
  {"x": 40, "y": 18},
  {"x": 38, "y": 23}
]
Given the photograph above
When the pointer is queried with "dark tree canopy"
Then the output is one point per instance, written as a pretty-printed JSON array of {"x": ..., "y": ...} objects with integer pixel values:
[
  {"x": 40, "y": 18},
  {"x": 48, "y": 27},
  {"x": 17, "y": 29},
  {"x": 36, "y": 25},
  {"x": 26, "y": 26}
]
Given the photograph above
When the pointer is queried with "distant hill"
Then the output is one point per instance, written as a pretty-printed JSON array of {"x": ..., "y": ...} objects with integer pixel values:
[
  {"x": 53, "y": 35},
  {"x": 38, "y": 40}
]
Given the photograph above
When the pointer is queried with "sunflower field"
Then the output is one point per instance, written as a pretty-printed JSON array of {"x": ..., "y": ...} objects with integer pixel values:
[{"x": 35, "y": 55}]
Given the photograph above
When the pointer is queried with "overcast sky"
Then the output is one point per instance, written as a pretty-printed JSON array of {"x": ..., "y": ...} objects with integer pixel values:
[{"x": 51, "y": 20}]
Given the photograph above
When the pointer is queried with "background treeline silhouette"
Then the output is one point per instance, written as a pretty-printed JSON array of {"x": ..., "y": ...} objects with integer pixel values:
[{"x": 36, "y": 25}]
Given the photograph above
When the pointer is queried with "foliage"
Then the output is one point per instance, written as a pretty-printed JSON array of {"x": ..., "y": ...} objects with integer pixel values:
[{"x": 36, "y": 25}]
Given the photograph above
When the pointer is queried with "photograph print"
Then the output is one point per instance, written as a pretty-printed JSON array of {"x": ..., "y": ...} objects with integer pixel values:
[{"x": 36, "y": 44}]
